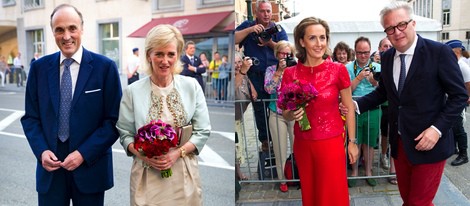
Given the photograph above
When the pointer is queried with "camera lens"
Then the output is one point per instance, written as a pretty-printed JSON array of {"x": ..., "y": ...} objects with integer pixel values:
[{"x": 255, "y": 61}]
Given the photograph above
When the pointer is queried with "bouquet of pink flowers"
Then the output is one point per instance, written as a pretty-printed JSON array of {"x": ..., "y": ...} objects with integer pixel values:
[
  {"x": 155, "y": 139},
  {"x": 296, "y": 95}
]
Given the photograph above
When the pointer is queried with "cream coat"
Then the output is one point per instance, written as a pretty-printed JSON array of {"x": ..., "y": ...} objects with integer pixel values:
[{"x": 135, "y": 105}]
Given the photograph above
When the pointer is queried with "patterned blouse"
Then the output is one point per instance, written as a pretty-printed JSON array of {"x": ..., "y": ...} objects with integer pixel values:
[{"x": 271, "y": 87}]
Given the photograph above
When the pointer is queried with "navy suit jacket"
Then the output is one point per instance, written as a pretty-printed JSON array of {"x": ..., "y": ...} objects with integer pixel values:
[
  {"x": 186, "y": 72},
  {"x": 433, "y": 94},
  {"x": 93, "y": 116}
]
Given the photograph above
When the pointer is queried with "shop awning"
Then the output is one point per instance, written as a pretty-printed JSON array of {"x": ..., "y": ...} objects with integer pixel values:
[
  {"x": 188, "y": 25},
  {"x": 230, "y": 27}
]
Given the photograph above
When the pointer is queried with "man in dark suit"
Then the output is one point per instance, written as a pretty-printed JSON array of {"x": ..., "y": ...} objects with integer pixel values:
[
  {"x": 35, "y": 57},
  {"x": 192, "y": 65},
  {"x": 71, "y": 108},
  {"x": 424, "y": 101}
]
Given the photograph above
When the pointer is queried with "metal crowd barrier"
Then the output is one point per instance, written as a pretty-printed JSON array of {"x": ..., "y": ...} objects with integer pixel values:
[
  {"x": 219, "y": 90},
  {"x": 263, "y": 171}
]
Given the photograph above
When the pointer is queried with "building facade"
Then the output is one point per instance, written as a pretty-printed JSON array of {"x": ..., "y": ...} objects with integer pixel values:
[
  {"x": 454, "y": 16},
  {"x": 108, "y": 25}
]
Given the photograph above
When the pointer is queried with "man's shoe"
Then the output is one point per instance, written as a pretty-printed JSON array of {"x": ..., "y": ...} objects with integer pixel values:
[
  {"x": 283, "y": 187},
  {"x": 351, "y": 183},
  {"x": 385, "y": 163},
  {"x": 460, "y": 160},
  {"x": 371, "y": 182}
]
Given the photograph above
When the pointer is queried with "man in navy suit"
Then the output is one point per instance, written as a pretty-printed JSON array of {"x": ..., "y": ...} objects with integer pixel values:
[
  {"x": 192, "y": 65},
  {"x": 423, "y": 104},
  {"x": 74, "y": 157}
]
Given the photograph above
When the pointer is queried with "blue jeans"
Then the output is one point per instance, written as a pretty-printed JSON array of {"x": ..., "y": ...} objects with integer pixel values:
[{"x": 222, "y": 88}]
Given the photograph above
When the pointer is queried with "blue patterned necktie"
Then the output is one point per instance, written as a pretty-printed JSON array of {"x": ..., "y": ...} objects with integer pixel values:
[
  {"x": 192, "y": 60},
  {"x": 401, "y": 80},
  {"x": 65, "y": 101}
]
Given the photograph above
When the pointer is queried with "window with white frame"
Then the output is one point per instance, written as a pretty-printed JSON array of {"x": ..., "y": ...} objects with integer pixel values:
[
  {"x": 32, "y": 4},
  {"x": 8, "y": 2},
  {"x": 36, "y": 39},
  {"x": 211, "y": 3},
  {"x": 165, "y": 5},
  {"x": 109, "y": 41},
  {"x": 423, "y": 8},
  {"x": 446, "y": 17}
]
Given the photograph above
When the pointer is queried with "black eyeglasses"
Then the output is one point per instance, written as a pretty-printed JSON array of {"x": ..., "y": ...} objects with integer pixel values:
[
  {"x": 400, "y": 26},
  {"x": 362, "y": 52}
]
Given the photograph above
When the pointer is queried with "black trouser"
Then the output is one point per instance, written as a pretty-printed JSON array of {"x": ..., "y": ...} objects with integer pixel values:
[
  {"x": 134, "y": 78},
  {"x": 460, "y": 135},
  {"x": 20, "y": 77},
  {"x": 260, "y": 107}
]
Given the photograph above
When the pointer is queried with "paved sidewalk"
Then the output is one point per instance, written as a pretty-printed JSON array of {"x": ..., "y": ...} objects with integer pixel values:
[
  {"x": 384, "y": 194},
  {"x": 12, "y": 88}
]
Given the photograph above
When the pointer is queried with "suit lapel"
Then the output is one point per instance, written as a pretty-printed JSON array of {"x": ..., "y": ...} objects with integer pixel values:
[
  {"x": 83, "y": 75},
  {"x": 53, "y": 75},
  {"x": 388, "y": 69},
  {"x": 417, "y": 57}
]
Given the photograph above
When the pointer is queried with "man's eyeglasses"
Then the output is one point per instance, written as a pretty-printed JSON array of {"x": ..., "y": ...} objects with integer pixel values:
[
  {"x": 362, "y": 52},
  {"x": 400, "y": 26}
]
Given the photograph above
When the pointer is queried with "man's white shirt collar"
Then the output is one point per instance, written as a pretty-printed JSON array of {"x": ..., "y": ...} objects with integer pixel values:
[{"x": 77, "y": 57}]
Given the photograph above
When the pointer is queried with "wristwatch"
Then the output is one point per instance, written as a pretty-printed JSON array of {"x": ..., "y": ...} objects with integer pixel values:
[
  {"x": 353, "y": 141},
  {"x": 183, "y": 152}
]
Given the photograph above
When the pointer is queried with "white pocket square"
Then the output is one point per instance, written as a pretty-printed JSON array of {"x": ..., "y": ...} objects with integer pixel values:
[{"x": 91, "y": 91}]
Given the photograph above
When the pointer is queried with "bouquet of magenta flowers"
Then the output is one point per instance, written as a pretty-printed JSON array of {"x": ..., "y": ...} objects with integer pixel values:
[
  {"x": 155, "y": 139},
  {"x": 296, "y": 95}
]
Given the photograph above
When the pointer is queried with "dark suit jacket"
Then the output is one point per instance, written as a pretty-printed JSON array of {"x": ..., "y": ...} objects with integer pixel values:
[
  {"x": 186, "y": 72},
  {"x": 433, "y": 94},
  {"x": 93, "y": 116}
]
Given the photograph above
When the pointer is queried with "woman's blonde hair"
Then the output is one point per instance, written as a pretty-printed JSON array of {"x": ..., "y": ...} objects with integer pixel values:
[
  {"x": 161, "y": 36},
  {"x": 283, "y": 44}
]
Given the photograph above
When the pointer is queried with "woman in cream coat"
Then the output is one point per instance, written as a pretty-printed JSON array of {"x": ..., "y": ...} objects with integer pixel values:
[{"x": 177, "y": 100}]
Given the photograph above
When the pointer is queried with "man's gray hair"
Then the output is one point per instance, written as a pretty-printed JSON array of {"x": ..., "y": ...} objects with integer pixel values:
[
  {"x": 395, "y": 5},
  {"x": 261, "y": 2}
]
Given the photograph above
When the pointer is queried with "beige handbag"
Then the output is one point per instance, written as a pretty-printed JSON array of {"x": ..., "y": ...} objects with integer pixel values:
[{"x": 184, "y": 134}]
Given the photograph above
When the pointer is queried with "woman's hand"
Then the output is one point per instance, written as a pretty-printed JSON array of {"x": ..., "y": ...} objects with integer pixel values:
[
  {"x": 293, "y": 114},
  {"x": 166, "y": 161},
  {"x": 353, "y": 152},
  {"x": 282, "y": 65},
  {"x": 162, "y": 162},
  {"x": 246, "y": 65}
]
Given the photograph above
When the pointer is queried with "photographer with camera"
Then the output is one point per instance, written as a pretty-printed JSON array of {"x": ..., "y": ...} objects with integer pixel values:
[
  {"x": 247, "y": 35},
  {"x": 361, "y": 71},
  {"x": 281, "y": 128}
]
